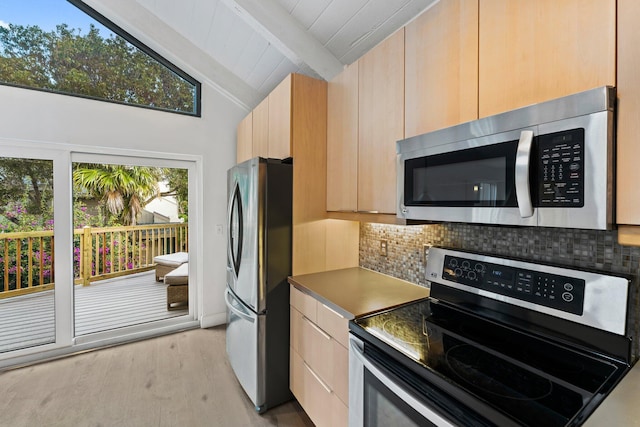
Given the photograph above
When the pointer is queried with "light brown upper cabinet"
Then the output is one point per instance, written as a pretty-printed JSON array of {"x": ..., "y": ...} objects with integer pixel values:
[
  {"x": 441, "y": 67},
  {"x": 532, "y": 51},
  {"x": 292, "y": 122},
  {"x": 280, "y": 119},
  {"x": 266, "y": 131},
  {"x": 261, "y": 129},
  {"x": 628, "y": 146},
  {"x": 244, "y": 148},
  {"x": 380, "y": 123},
  {"x": 342, "y": 141}
]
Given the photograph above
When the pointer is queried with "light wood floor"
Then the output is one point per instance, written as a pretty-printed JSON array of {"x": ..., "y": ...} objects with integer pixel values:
[{"x": 181, "y": 380}]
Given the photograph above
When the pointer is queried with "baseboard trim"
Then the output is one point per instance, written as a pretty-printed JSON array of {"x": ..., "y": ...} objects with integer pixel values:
[{"x": 210, "y": 320}]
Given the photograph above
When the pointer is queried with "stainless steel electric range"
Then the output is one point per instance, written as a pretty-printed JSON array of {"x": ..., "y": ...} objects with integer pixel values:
[{"x": 499, "y": 342}]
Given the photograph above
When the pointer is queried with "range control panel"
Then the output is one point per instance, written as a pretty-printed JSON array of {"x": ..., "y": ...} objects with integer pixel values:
[
  {"x": 551, "y": 290},
  {"x": 561, "y": 169}
]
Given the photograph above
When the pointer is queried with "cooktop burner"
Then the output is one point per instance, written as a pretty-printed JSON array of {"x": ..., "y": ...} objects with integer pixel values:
[
  {"x": 490, "y": 374},
  {"x": 404, "y": 330}
]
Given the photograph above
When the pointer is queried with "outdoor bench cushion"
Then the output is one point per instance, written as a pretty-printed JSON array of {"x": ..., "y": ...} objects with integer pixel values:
[
  {"x": 172, "y": 260},
  {"x": 179, "y": 276}
]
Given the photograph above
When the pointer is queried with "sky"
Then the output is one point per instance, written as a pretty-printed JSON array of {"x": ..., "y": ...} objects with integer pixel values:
[{"x": 46, "y": 14}]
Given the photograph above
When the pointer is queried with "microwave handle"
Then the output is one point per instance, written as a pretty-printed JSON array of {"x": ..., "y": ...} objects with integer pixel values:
[{"x": 523, "y": 156}]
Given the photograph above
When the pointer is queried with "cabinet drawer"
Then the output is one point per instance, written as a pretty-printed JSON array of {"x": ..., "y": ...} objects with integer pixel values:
[
  {"x": 322, "y": 405},
  {"x": 305, "y": 304},
  {"x": 335, "y": 325},
  {"x": 316, "y": 350},
  {"x": 317, "y": 398}
]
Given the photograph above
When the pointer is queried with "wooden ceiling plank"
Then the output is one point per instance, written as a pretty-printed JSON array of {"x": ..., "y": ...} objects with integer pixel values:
[{"x": 274, "y": 23}]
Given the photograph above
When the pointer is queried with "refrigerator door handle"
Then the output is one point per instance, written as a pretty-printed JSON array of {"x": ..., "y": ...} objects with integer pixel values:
[
  {"x": 243, "y": 314},
  {"x": 234, "y": 258}
]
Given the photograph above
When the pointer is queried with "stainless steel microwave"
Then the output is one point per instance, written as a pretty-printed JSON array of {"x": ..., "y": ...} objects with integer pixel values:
[{"x": 548, "y": 165}]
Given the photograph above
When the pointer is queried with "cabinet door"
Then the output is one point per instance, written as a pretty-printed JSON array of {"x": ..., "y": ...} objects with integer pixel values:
[
  {"x": 532, "y": 51},
  {"x": 441, "y": 67},
  {"x": 627, "y": 195},
  {"x": 244, "y": 146},
  {"x": 280, "y": 120},
  {"x": 342, "y": 141},
  {"x": 381, "y": 123},
  {"x": 261, "y": 129}
]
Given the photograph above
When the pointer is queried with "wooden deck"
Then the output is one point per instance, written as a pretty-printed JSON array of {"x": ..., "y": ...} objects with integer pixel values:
[{"x": 28, "y": 320}]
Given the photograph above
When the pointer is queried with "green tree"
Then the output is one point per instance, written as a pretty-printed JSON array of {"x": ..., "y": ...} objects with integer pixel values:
[
  {"x": 65, "y": 60},
  {"x": 124, "y": 190},
  {"x": 178, "y": 183},
  {"x": 26, "y": 188}
]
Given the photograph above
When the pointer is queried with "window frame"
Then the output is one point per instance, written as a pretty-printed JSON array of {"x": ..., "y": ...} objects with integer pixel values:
[{"x": 119, "y": 31}]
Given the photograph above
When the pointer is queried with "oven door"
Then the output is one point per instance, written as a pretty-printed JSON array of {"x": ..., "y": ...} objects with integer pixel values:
[
  {"x": 378, "y": 397},
  {"x": 482, "y": 180}
]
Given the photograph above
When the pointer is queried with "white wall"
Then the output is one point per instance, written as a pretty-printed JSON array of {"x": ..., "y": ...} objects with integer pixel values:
[{"x": 43, "y": 117}]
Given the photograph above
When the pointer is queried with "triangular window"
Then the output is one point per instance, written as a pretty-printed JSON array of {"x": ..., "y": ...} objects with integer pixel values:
[{"x": 64, "y": 46}]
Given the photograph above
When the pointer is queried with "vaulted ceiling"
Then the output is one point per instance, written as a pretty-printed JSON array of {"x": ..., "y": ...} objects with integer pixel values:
[{"x": 246, "y": 47}]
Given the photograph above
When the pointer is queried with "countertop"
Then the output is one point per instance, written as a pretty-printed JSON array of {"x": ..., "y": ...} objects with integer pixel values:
[
  {"x": 355, "y": 292},
  {"x": 622, "y": 406}
]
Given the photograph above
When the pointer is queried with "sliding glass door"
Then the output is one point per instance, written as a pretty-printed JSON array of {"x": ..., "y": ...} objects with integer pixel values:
[
  {"x": 86, "y": 263},
  {"x": 131, "y": 244},
  {"x": 34, "y": 303}
]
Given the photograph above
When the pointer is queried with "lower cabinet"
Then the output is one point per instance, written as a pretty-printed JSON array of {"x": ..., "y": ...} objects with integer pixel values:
[{"x": 319, "y": 360}]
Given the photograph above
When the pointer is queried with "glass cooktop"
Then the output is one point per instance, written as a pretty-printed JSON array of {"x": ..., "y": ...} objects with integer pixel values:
[{"x": 526, "y": 378}]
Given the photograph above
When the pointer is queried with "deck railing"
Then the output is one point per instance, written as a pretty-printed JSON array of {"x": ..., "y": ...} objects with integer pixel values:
[{"x": 27, "y": 258}]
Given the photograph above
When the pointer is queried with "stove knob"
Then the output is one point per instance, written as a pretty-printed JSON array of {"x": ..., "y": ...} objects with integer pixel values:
[
  {"x": 479, "y": 268},
  {"x": 453, "y": 262},
  {"x": 471, "y": 275},
  {"x": 466, "y": 265},
  {"x": 567, "y": 297},
  {"x": 458, "y": 272}
]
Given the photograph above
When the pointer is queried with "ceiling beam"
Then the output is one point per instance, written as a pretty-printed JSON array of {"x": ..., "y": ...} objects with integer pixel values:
[
  {"x": 271, "y": 20},
  {"x": 155, "y": 33}
]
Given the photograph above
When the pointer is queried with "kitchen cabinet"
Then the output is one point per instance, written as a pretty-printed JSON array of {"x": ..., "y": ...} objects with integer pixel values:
[
  {"x": 320, "y": 306},
  {"x": 270, "y": 130},
  {"x": 342, "y": 141},
  {"x": 533, "y": 51},
  {"x": 244, "y": 149},
  {"x": 292, "y": 122},
  {"x": 280, "y": 115},
  {"x": 628, "y": 147},
  {"x": 365, "y": 119},
  {"x": 260, "y": 145},
  {"x": 319, "y": 244},
  {"x": 380, "y": 123},
  {"x": 441, "y": 67},
  {"x": 319, "y": 374}
]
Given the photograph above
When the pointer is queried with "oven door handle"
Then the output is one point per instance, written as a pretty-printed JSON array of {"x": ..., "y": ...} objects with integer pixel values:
[
  {"x": 523, "y": 160},
  {"x": 422, "y": 409}
]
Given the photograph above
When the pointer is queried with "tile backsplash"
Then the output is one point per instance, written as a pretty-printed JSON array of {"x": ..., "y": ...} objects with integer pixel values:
[{"x": 587, "y": 249}]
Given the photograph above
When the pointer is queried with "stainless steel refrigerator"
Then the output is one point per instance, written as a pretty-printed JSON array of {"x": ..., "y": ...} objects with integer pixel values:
[{"x": 258, "y": 262}]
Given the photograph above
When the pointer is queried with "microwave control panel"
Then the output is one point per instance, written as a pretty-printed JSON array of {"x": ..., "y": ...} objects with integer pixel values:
[
  {"x": 561, "y": 169},
  {"x": 550, "y": 290}
]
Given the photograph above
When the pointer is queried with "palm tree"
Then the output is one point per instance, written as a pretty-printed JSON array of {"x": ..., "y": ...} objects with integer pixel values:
[{"x": 125, "y": 190}]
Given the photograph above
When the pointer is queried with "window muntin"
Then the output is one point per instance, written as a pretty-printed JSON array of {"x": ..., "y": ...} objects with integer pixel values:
[{"x": 89, "y": 57}]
